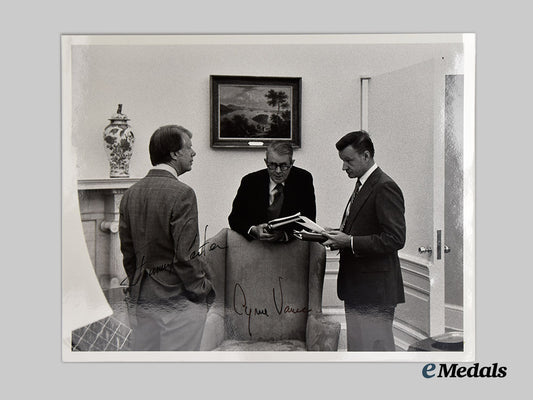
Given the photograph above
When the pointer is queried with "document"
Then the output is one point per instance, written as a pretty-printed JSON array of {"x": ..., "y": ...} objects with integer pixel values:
[
  {"x": 278, "y": 222},
  {"x": 310, "y": 225},
  {"x": 310, "y": 231},
  {"x": 309, "y": 236}
]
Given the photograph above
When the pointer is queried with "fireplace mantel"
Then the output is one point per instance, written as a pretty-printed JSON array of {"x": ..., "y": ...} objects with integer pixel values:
[
  {"x": 106, "y": 183},
  {"x": 99, "y": 207}
]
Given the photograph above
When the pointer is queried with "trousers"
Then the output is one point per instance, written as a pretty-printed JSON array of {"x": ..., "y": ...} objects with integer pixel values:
[
  {"x": 369, "y": 327},
  {"x": 170, "y": 325}
]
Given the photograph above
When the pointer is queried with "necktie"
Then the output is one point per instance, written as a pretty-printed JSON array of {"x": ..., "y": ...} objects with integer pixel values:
[
  {"x": 274, "y": 209},
  {"x": 350, "y": 202}
]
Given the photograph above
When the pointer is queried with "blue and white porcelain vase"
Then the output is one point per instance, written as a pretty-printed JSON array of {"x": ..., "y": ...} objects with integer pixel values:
[{"x": 118, "y": 141}]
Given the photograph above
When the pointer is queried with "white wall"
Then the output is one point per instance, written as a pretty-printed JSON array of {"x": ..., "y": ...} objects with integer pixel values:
[{"x": 160, "y": 85}]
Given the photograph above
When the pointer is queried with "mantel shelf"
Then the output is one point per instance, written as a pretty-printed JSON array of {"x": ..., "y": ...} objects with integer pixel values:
[{"x": 106, "y": 183}]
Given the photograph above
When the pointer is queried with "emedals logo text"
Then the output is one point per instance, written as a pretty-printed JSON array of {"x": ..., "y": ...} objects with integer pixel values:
[{"x": 455, "y": 371}]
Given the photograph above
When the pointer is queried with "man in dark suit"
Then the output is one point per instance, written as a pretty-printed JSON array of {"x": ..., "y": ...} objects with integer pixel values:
[
  {"x": 279, "y": 190},
  {"x": 169, "y": 287},
  {"x": 372, "y": 232}
]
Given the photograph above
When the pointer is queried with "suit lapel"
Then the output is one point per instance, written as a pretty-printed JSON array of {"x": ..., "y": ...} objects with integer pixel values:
[
  {"x": 287, "y": 194},
  {"x": 264, "y": 192},
  {"x": 362, "y": 197}
]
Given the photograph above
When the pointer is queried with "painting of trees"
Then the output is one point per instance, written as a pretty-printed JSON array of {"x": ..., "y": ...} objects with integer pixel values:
[
  {"x": 279, "y": 99},
  {"x": 253, "y": 111},
  {"x": 252, "y": 108}
]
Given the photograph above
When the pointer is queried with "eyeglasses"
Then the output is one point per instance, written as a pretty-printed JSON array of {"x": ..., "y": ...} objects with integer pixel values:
[{"x": 273, "y": 166}]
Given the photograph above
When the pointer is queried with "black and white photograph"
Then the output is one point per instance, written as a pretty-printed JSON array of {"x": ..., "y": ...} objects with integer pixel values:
[
  {"x": 376, "y": 248},
  {"x": 211, "y": 230}
]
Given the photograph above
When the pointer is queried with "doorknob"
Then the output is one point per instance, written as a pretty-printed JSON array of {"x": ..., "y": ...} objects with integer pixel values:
[
  {"x": 423, "y": 250},
  {"x": 447, "y": 249}
]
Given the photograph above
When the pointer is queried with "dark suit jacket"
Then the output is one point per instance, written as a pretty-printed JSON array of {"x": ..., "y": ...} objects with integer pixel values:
[
  {"x": 159, "y": 234},
  {"x": 252, "y": 199},
  {"x": 376, "y": 220}
]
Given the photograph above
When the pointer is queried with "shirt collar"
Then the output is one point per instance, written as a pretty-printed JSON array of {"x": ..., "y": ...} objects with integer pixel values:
[
  {"x": 168, "y": 168},
  {"x": 368, "y": 173},
  {"x": 273, "y": 184}
]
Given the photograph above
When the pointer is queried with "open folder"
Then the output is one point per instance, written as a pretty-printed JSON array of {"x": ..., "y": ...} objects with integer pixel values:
[
  {"x": 279, "y": 222},
  {"x": 310, "y": 225},
  {"x": 311, "y": 231},
  {"x": 309, "y": 236}
]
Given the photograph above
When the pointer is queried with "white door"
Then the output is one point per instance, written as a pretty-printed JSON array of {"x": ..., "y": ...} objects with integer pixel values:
[{"x": 405, "y": 118}]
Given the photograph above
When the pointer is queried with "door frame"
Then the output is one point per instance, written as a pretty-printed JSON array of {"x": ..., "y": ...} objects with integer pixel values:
[{"x": 435, "y": 262}]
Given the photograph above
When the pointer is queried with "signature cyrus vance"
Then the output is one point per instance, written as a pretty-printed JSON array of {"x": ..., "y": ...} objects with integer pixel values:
[{"x": 241, "y": 306}]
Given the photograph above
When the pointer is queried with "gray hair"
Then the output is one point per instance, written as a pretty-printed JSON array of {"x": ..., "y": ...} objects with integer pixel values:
[{"x": 280, "y": 147}]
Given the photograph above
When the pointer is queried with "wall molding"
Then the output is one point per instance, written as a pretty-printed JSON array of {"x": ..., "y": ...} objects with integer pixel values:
[
  {"x": 422, "y": 262},
  {"x": 332, "y": 255},
  {"x": 411, "y": 324},
  {"x": 412, "y": 320},
  {"x": 453, "y": 317},
  {"x": 405, "y": 335},
  {"x": 106, "y": 183}
]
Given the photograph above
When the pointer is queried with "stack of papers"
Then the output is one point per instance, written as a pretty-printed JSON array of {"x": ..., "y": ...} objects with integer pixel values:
[{"x": 311, "y": 231}]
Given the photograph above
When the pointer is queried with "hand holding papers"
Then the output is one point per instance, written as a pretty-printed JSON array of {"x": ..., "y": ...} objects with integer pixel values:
[
  {"x": 296, "y": 218},
  {"x": 310, "y": 225},
  {"x": 336, "y": 239},
  {"x": 309, "y": 236},
  {"x": 310, "y": 232},
  {"x": 279, "y": 222}
]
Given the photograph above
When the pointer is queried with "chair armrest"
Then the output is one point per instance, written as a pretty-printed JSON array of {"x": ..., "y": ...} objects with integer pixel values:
[
  {"x": 213, "y": 334},
  {"x": 214, "y": 330},
  {"x": 322, "y": 333}
]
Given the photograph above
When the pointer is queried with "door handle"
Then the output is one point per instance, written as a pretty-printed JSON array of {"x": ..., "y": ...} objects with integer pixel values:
[
  {"x": 423, "y": 250},
  {"x": 447, "y": 249}
]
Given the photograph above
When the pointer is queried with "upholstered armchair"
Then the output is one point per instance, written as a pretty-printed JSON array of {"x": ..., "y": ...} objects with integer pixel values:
[{"x": 269, "y": 296}]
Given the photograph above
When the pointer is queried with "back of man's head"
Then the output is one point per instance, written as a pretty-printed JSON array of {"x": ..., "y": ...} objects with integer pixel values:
[
  {"x": 359, "y": 140},
  {"x": 166, "y": 139}
]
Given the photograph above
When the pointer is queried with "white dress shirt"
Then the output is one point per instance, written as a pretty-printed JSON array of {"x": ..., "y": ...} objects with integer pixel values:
[
  {"x": 272, "y": 192},
  {"x": 166, "y": 167}
]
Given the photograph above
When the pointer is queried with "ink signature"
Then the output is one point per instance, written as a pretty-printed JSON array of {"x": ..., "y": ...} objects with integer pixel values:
[
  {"x": 150, "y": 271},
  {"x": 203, "y": 249},
  {"x": 241, "y": 307},
  {"x": 169, "y": 267}
]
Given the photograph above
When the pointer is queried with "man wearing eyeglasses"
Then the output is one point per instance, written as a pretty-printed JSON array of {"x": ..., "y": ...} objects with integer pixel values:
[{"x": 277, "y": 191}]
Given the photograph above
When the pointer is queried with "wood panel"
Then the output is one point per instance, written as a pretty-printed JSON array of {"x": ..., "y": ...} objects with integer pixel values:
[
  {"x": 331, "y": 305},
  {"x": 454, "y": 317},
  {"x": 99, "y": 202},
  {"x": 412, "y": 317},
  {"x": 330, "y": 301},
  {"x": 89, "y": 231}
]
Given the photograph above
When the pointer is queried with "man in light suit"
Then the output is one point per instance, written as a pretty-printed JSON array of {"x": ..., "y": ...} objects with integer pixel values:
[
  {"x": 169, "y": 285},
  {"x": 372, "y": 232},
  {"x": 279, "y": 190}
]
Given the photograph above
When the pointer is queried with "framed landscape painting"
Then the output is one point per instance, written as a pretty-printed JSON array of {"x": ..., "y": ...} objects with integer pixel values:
[{"x": 249, "y": 111}]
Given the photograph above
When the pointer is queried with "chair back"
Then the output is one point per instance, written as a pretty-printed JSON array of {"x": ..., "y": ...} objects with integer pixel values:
[{"x": 266, "y": 286}]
